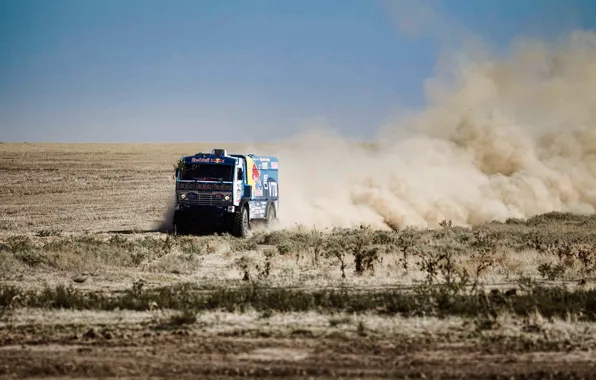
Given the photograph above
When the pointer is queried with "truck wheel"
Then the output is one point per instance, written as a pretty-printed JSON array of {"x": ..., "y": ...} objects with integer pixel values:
[
  {"x": 180, "y": 227},
  {"x": 271, "y": 216},
  {"x": 240, "y": 223}
]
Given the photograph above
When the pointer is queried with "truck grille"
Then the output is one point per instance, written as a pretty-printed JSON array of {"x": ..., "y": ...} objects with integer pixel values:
[{"x": 205, "y": 200}]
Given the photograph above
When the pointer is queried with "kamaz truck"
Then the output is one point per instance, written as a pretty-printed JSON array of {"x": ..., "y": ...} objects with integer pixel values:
[{"x": 225, "y": 192}]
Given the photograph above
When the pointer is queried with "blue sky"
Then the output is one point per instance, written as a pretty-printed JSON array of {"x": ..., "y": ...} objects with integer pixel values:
[{"x": 192, "y": 70}]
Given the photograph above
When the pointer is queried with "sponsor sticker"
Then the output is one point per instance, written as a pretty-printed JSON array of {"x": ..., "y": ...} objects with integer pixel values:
[
  {"x": 204, "y": 186},
  {"x": 207, "y": 160},
  {"x": 199, "y": 159}
]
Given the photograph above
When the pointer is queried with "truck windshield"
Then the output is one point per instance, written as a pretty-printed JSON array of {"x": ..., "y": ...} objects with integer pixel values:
[{"x": 207, "y": 172}]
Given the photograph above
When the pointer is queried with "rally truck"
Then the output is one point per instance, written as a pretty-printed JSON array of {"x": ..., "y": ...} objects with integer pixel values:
[{"x": 225, "y": 192}]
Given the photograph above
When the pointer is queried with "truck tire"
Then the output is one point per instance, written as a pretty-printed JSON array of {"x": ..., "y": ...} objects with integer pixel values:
[
  {"x": 271, "y": 216},
  {"x": 180, "y": 227},
  {"x": 240, "y": 223}
]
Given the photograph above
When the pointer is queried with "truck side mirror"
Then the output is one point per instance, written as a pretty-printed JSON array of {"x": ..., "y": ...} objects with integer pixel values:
[
  {"x": 177, "y": 172},
  {"x": 240, "y": 174}
]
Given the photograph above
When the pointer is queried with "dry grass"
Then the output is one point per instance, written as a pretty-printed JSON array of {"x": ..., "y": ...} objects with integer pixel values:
[
  {"x": 497, "y": 255},
  {"x": 62, "y": 206},
  {"x": 221, "y": 322}
]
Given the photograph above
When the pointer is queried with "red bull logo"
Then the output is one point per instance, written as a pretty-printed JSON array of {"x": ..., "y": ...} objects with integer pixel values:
[
  {"x": 256, "y": 175},
  {"x": 217, "y": 160}
]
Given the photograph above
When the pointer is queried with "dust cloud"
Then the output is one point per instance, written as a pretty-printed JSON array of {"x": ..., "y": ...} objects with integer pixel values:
[
  {"x": 166, "y": 224},
  {"x": 503, "y": 136}
]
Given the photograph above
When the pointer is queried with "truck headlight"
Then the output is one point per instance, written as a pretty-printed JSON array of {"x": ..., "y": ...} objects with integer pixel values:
[
  {"x": 227, "y": 197},
  {"x": 182, "y": 196}
]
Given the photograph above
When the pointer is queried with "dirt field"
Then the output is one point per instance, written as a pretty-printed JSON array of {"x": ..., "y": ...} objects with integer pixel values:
[{"x": 89, "y": 288}]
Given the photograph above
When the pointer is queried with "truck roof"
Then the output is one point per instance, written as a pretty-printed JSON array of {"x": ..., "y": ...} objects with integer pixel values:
[
  {"x": 208, "y": 158},
  {"x": 220, "y": 156}
]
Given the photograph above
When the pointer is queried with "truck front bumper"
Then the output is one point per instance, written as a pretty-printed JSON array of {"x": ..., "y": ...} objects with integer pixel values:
[
  {"x": 187, "y": 207},
  {"x": 204, "y": 216}
]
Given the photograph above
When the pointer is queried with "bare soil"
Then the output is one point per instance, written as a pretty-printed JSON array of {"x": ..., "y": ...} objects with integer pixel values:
[
  {"x": 193, "y": 355},
  {"x": 111, "y": 348}
]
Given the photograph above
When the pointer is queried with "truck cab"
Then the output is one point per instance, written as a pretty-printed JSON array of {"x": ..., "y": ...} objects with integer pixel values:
[{"x": 225, "y": 192}]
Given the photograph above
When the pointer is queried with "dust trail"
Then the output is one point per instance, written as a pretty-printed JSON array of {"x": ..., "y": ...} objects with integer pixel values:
[
  {"x": 503, "y": 136},
  {"x": 166, "y": 224},
  {"x": 508, "y": 136}
]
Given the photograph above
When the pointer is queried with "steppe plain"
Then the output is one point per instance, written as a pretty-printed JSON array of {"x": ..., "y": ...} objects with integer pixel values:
[{"x": 89, "y": 286}]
